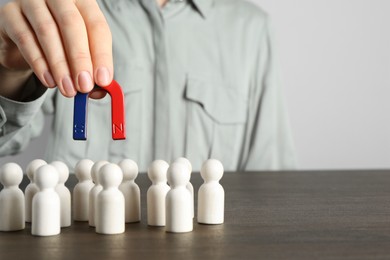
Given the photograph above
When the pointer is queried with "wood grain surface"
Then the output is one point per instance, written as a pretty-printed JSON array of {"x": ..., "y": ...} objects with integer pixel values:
[{"x": 268, "y": 215}]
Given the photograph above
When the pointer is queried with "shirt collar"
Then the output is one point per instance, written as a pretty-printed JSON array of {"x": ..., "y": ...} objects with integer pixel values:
[{"x": 203, "y": 6}]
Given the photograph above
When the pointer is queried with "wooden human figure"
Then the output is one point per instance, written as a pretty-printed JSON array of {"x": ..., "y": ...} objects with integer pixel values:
[
  {"x": 82, "y": 189},
  {"x": 178, "y": 206},
  {"x": 64, "y": 193},
  {"x": 130, "y": 191},
  {"x": 94, "y": 191},
  {"x": 189, "y": 184},
  {"x": 31, "y": 188},
  {"x": 12, "y": 216},
  {"x": 157, "y": 173},
  {"x": 110, "y": 214},
  {"x": 46, "y": 205},
  {"x": 211, "y": 195}
]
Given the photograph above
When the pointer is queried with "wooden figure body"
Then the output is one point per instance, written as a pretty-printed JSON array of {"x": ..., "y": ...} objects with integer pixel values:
[
  {"x": 12, "y": 210},
  {"x": 211, "y": 195},
  {"x": 189, "y": 185},
  {"x": 178, "y": 208},
  {"x": 46, "y": 211},
  {"x": 94, "y": 191},
  {"x": 63, "y": 192},
  {"x": 31, "y": 188},
  {"x": 82, "y": 189},
  {"x": 130, "y": 191},
  {"x": 110, "y": 214},
  {"x": 157, "y": 173}
]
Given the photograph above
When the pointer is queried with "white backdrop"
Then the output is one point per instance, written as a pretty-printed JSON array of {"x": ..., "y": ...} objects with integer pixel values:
[
  {"x": 335, "y": 61},
  {"x": 335, "y": 58}
]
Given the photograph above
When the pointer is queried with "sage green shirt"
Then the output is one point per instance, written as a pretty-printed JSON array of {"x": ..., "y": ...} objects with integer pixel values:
[{"x": 199, "y": 79}]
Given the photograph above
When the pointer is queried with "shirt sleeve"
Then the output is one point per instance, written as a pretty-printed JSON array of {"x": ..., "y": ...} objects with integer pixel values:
[
  {"x": 21, "y": 121},
  {"x": 268, "y": 143}
]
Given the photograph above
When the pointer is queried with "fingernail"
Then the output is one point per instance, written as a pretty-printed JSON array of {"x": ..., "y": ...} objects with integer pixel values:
[
  {"x": 49, "y": 79},
  {"x": 103, "y": 77},
  {"x": 68, "y": 86},
  {"x": 85, "y": 81}
]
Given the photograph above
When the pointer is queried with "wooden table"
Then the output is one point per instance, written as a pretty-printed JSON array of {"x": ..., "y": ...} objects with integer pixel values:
[{"x": 269, "y": 215}]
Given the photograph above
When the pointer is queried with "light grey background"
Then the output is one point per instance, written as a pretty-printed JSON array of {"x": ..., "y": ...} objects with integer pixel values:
[{"x": 334, "y": 57}]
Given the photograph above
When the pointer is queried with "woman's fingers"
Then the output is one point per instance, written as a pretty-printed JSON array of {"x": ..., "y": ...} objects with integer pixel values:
[
  {"x": 48, "y": 34},
  {"x": 100, "y": 41},
  {"x": 67, "y": 43},
  {"x": 17, "y": 28},
  {"x": 75, "y": 42}
]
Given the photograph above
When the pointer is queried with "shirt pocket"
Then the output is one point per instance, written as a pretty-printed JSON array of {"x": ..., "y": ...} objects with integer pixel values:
[
  {"x": 216, "y": 116},
  {"x": 224, "y": 104}
]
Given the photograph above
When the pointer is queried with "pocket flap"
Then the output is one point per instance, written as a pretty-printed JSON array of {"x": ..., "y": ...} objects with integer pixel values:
[{"x": 222, "y": 104}]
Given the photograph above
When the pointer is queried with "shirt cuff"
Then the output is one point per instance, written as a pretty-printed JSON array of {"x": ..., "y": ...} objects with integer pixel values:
[{"x": 19, "y": 113}]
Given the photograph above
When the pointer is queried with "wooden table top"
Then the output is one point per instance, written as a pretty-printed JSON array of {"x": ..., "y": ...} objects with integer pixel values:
[{"x": 268, "y": 215}]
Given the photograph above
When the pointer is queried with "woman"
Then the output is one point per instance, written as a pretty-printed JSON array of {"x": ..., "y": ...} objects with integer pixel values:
[{"x": 198, "y": 77}]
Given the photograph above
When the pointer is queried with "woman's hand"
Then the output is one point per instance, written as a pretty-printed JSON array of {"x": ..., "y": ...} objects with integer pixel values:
[{"x": 66, "y": 43}]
